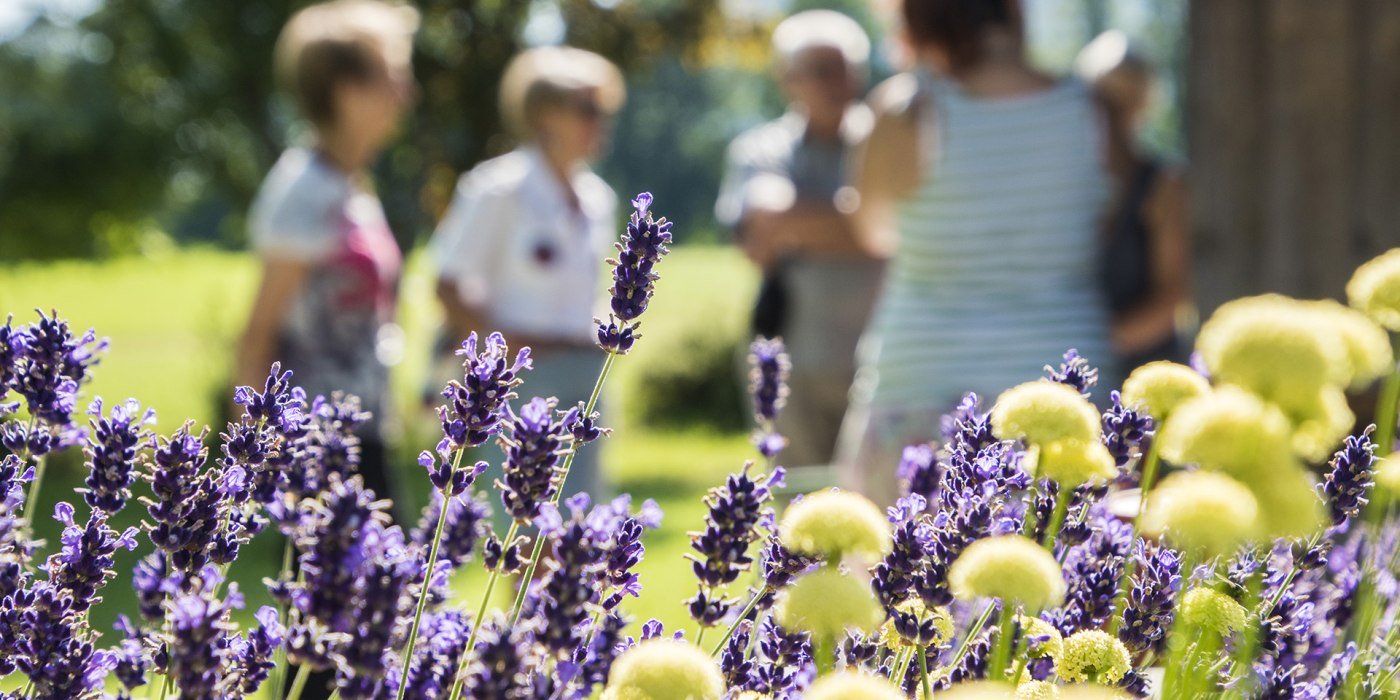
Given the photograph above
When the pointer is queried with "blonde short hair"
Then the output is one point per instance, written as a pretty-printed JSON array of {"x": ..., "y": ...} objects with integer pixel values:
[
  {"x": 821, "y": 29},
  {"x": 329, "y": 43},
  {"x": 545, "y": 77}
]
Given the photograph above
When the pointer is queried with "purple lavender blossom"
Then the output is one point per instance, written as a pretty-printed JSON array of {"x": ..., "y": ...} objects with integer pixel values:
[
  {"x": 537, "y": 444},
  {"x": 642, "y": 246},
  {"x": 1092, "y": 571},
  {"x": 500, "y": 663},
  {"x": 112, "y": 453},
  {"x": 467, "y": 522},
  {"x": 443, "y": 639},
  {"x": 265, "y": 440},
  {"x": 506, "y": 557},
  {"x": 84, "y": 562},
  {"x": 200, "y": 630},
  {"x": 1349, "y": 478},
  {"x": 133, "y": 657},
  {"x": 367, "y": 658},
  {"x": 784, "y": 664},
  {"x": 253, "y": 654},
  {"x": 768, "y": 375},
  {"x": 735, "y": 511},
  {"x": 1125, "y": 434},
  {"x": 919, "y": 471},
  {"x": 583, "y": 426},
  {"x": 52, "y": 363},
  {"x": 1075, "y": 372},
  {"x": 1151, "y": 603},
  {"x": 476, "y": 406},
  {"x": 734, "y": 659},
  {"x": 894, "y": 578},
  {"x": 55, "y": 652}
]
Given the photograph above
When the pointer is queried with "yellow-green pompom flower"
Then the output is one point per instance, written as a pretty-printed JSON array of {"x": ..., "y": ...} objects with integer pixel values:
[
  {"x": 1073, "y": 463},
  {"x": 1042, "y": 412},
  {"x": 835, "y": 523},
  {"x": 1093, "y": 656},
  {"x": 1010, "y": 568},
  {"x": 1320, "y": 423},
  {"x": 1207, "y": 608},
  {"x": 1388, "y": 475},
  {"x": 826, "y": 603},
  {"x": 1271, "y": 346},
  {"x": 1374, "y": 289},
  {"x": 1092, "y": 692},
  {"x": 852, "y": 685},
  {"x": 1202, "y": 510},
  {"x": 978, "y": 690},
  {"x": 664, "y": 669},
  {"x": 1289, "y": 505},
  {"x": 1043, "y": 640},
  {"x": 1368, "y": 352},
  {"x": 1159, "y": 387},
  {"x": 1229, "y": 430},
  {"x": 916, "y": 624},
  {"x": 1037, "y": 690}
]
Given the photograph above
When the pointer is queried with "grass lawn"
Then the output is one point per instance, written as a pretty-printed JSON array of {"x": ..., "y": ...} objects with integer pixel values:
[{"x": 172, "y": 322}]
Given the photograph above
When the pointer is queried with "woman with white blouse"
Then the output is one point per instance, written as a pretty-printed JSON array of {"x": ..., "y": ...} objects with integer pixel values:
[{"x": 522, "y": 245}]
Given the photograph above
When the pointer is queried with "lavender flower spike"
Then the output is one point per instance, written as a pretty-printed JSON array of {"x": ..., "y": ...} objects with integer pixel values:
[
  {"x": 1350, "y": 477},
  {"x": 112, "y": 453},
  {"x": 476, "y": 405},
  {"x": 768, "y": 375},
  {"x": 643, "y": 244}
]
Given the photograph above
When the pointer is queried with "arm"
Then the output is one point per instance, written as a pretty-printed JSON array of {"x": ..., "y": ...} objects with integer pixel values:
[
  {"x": 281, "y": 281},
  {"x": 1167, "y": 214},
  {"x": 809, "y": 228},
  {"x": 888, "y": 163}
]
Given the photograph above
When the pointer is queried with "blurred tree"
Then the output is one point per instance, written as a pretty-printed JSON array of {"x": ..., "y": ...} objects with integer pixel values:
[{"x": 160, "y": 112}]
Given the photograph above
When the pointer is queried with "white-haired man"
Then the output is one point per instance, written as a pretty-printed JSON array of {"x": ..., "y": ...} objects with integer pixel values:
[{"x": 784, "y": 195}]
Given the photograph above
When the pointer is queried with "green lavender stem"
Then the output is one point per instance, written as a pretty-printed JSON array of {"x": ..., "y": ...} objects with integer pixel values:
[
  {"x": 1002, "y": 654},
  {"x": 972, "y": 634},
  {"x": 480, "y": 615},
  {"x": 1057, "y": 518},
  {"x": 558, "y": 492},
  {"x": 1149, "y": 478},
  {"x": 753, "y": 602},
  {"x": 922, "y": 653},
  {"x": 32, "y": 501},
  {"x": 299, "y": 683},
  {"x": 1385, "y": 414},
  {"x": 428, "y": 581},
  {"x": 279, "y": 657}
]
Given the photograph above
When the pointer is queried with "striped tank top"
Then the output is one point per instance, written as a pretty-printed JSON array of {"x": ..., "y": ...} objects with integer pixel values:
[{"x": 994, "y": 275}]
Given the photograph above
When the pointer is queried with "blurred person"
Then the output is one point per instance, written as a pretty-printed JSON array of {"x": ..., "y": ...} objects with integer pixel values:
[
  {"x": 1146, "y": 259},
  {"x": 986, "y": 179},
  {"x": 522, "y": 245},
  {"x": 330, "y": 266},
  {"x": 785, "y": 198}
]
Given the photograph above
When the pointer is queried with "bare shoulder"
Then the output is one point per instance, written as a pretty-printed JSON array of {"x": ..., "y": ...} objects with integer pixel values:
[{"x": 896, "y": 96}]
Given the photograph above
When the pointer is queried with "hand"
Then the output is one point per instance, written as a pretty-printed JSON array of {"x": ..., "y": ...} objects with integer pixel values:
[{"x": 766, "y": 238}]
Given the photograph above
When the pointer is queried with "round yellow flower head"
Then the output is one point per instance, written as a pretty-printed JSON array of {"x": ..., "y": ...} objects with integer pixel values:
[
  {"x": 1011, "y": 568},
  {"x": 978, "y": 690},
  {"x": 1092, "y": 692},
  {"x": 941, "y": 619},
  {"x": 1271, "y": 346},
  {"x": 1368, "y": 353},
  {"x": 1037, "y": 690},
  {"x": 1388, "y": 475},
  {"x": 1094, "y": 656},
  {"x": 853, "y": 685},
  {"x": 1159, "y": 387},
  {"x": 1044, "y": 640},
  {"x": 1374, "y": 289},
  {"x": 1210, "y": 609},
  {"x": 1041, "y": 412},
  {"x": 1289, "y": 505},
  {"x": 1320, "y": 423},
  {"x": 1229, "y": 430},
  {"x": 1073, "y": 463},
  {"x": 835, "y": 523},
  {"x": 664, "y": 669},
  {"x": 1202, "y": 510},
  {"x": 826, "y": 604}
]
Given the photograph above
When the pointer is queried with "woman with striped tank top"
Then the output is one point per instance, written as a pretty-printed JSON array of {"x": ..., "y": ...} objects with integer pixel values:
[{"x": 987, "y": 180}]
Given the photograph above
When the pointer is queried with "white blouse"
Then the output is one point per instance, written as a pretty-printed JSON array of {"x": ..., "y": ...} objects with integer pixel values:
[{"x": 516, "y": 248}]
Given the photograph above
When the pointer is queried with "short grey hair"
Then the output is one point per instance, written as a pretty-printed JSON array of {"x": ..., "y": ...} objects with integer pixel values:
[{"x": 821, "y": 29}]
